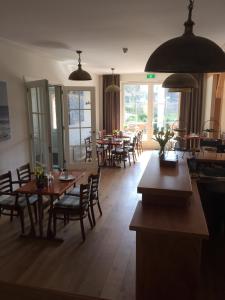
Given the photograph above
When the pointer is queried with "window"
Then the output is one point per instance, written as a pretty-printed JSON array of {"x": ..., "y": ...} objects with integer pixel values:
[
  {"x": 148, "y": 106},
  {"x": 165, "y": 107},
  {"x": 136, "y": 107}
]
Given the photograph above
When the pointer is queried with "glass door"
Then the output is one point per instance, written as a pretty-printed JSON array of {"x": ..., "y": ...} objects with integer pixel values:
[
  {"x": 45, "y": 124},
  {"x": 80, "y": 135},
  {"x": 55, "y": 104},
  {"x": 38, "y": 108}
]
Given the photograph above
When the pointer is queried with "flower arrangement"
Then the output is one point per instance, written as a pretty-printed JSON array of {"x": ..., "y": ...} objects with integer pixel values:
[
  {"x": 162, "y": 137},
  {"x": 38, "y": 171},
  {"x": 115, "y": 132},
  {"x": 40, "y": 176}
]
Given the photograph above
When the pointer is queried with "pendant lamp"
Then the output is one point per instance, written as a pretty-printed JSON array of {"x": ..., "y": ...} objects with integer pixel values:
[
  {"x": 187, "y": 53},
  {"x": 112, "y": 88},
  {"x": 180, "y": 82},
  {"x": 79, "y": 74}
]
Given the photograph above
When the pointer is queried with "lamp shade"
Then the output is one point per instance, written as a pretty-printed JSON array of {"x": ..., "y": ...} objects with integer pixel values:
[
  {"x": 180, "y": 82},
  {"x": 187, "y": 53},
  {"x": 79, "y": 74},
  {"x": 112, "y": 88}
]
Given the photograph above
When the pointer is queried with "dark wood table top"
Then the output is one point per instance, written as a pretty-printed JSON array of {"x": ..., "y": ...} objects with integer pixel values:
[{"x": 56, "y": 188}]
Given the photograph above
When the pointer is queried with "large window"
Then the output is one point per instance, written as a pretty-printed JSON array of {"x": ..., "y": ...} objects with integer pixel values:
[
  {"x": 136, "y": 107},
  {"x": 148, "y": 106},
  {"x": 165, "y": 107}
]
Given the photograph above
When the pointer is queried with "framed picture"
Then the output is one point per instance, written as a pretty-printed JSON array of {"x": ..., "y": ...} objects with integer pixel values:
[{"x": 4, "y": 113}]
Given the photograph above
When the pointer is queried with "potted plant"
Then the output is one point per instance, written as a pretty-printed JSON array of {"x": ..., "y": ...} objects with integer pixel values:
[
  {"x": 162, "y": 136},
  {"x": 40, "y": 176}
]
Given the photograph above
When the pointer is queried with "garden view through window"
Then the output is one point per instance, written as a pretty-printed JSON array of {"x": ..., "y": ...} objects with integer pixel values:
[{"x": 149, "y": 106}]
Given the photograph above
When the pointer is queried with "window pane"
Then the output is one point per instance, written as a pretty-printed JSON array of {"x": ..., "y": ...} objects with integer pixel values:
[
  {"x": 74, "y": 118},
  {"x": 73, "y": 100},
  {"x": 136, "y": 107},
  {"x": 165, "y": 107},
  {"x": 85, "y": 118},
  {"x": 85, "y": 100}
]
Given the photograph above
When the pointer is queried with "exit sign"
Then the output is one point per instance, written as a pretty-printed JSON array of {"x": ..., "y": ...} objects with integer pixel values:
[{"x": 149, "y": 76}]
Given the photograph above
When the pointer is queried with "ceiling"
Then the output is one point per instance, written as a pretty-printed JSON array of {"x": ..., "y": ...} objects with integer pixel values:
[{"x": 101, "y": 28}]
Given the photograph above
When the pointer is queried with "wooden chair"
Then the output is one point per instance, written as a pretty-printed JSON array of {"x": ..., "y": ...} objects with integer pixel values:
[
  {"x": 74, "y": 208},
  {"x": 24, "y": 175},
  {"x": 121, "y": 154},
  {"x": 88, "y": 148},
  {"x": 94, "y": 200},
  {"x": 132, "y": 148},
  {"x": 11, "y": 203}
]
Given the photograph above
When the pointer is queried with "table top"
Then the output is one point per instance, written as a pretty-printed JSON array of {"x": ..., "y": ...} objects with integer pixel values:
[
  {"x": 108, "y": 142},
  {"x": 185, "y": 221},
  {"x": 165, "y": 181},
  {"x": 56, "y": 188}
]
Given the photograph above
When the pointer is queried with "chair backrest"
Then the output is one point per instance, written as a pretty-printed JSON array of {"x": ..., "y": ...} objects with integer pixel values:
[
  {"x": 24, "y": 174},
  {"x": 95, "y": 179},
  {"x": 101, "y": 134},
  {"x": 85, "y": 195},
  {"x": 6, "y": 183}
]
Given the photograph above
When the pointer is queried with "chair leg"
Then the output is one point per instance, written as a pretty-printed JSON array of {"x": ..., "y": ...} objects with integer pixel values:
[
  {"x": 21, "y": 214},
  {"x": 11, "y": 215},
  {"x": 99, "y": 207},
  {"x": 92, "y": 214},
  {"x": 129, "y": 159},
  {"x": 54, "y": 223},
  {"x": 90, "y": 220},
  {"x": 35, "y": 212},
  {"x": 82, "y": 229}
]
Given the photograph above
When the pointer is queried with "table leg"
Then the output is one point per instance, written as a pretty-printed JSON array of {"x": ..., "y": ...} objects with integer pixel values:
[
  {"x": 50, "y": 233},
  {"x": 32, "y": 231},
  {"x": 40, "y": 215}
]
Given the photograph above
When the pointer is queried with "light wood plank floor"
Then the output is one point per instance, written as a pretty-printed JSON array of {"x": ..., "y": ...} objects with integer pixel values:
[{"x": 103, "y": 266}]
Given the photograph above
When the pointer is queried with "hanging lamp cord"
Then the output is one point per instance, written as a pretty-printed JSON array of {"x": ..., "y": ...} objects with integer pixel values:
[{"x": 189, "y": 23}]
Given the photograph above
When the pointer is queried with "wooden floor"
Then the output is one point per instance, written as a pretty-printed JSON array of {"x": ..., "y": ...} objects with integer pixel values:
[{"x": 103, "y": 266}]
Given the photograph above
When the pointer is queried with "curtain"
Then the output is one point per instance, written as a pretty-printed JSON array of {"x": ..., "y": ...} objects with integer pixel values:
[
  {"x": 111, "y": 105},
  {"x": 191, "y": 107}
]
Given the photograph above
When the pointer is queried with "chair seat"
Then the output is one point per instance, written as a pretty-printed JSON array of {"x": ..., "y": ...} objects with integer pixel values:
[
  {"x": 10, "y": 200},
  {"x": 69, "y": 202},
  {"x": 75, "y": 191}
]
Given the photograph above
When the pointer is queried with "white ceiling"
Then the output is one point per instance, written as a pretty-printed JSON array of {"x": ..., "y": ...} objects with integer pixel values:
[{"x": 101, "y": 28}]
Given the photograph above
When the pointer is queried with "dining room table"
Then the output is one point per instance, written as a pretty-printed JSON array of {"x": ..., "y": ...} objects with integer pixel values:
[
  {"x": 111, "y": 143},
  {"x": 54, "y": 188}
]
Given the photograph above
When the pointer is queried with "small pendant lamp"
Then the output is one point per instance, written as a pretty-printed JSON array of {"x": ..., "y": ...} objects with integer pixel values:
[
  {"x": 187, "y": 53},
  {"x": 180, "y": 82},
  {"x": 79, "y": 74},
  {"x": 112, "y": 88}
]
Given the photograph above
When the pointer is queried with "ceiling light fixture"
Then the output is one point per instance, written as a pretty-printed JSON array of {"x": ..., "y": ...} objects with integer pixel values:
[
  {"x": 112, "y": 88},
  {"x": 187, "y": 53},
  {"x": 79, "y": 74},
  {"x": 180, "y": 82}
]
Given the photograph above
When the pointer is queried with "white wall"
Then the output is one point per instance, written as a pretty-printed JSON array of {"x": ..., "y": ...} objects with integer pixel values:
[{"x": 17, "y": 63}]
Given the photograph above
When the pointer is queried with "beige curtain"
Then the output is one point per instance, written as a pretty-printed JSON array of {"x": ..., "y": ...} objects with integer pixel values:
[{"x": 111, "y": 105}]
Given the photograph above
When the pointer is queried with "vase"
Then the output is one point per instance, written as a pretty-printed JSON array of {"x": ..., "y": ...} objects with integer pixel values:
[
  {"x": 40, "y": 182},
  {"x": 162, "y": 152}
]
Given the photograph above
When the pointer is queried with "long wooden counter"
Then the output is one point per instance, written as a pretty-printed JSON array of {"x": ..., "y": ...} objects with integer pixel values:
[
  {"x": 168, "y": 237},
  {"x": 170, "y": 185}
]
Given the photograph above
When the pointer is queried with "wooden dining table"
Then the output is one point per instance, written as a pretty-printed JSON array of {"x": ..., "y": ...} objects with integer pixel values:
[{"x": 55, "y": 188}]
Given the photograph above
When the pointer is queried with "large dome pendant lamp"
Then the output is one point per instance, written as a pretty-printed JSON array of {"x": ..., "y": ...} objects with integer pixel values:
[
  {"x": 180, "y": 82},
  {"x": 187, "y": 53},
  {"x": 112, "y": 88},
  {"x": 79, "y": 74}
]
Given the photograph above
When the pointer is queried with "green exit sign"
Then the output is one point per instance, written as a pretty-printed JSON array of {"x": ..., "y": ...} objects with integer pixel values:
[{"x": 149, "y": 76}]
